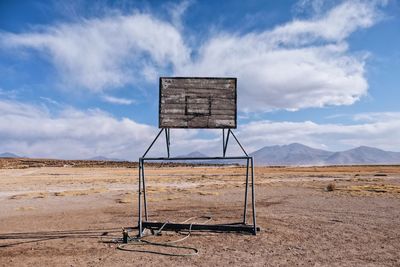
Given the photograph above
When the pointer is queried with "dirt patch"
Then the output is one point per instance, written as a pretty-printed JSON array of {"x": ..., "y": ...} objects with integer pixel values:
[{"x": 126, "y": 198}]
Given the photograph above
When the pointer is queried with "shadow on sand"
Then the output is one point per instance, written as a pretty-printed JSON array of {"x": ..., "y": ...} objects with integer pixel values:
[{"x": 32, "y": 237}]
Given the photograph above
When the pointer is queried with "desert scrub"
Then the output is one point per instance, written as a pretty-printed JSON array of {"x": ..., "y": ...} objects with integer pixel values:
[{"x": 330, "y": 187}]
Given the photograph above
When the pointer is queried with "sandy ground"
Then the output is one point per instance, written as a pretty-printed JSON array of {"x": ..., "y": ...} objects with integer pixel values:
[{"x": 64, "y": 216}]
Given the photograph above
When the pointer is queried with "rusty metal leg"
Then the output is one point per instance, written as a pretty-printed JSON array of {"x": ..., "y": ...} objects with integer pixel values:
[
  {"x": 223, "y": 141},
  {"x": 246, "y": 190},
  {"x": 237, "y": 141},
  {"x": 226, "y": 142},
  {"x": 140, "y": 199},
  {"x": 152, "y": 143},
  {"x": 167, "y": 140},
  {"x": 253, "y": 196},
  {"x": 144, "y": 192}
]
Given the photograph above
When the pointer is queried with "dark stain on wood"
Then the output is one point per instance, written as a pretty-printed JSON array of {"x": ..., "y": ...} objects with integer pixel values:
[{"x": 197, "y": 102}]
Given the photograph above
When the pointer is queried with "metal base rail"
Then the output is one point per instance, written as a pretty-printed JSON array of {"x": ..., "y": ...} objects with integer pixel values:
[
  {"x": 243, "y": 228},
  {"x": 144, "y": 223}
]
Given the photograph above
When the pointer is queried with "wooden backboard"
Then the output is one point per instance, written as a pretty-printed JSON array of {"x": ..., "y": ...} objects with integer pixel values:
[{"x": 195, "y": 102}]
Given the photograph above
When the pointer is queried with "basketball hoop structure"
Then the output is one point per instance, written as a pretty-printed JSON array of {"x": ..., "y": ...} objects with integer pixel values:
[{"x": 206, "y": 103}]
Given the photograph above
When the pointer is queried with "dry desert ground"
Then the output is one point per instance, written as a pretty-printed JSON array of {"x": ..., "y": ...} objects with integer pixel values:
[{"x": 68, "y": 213}]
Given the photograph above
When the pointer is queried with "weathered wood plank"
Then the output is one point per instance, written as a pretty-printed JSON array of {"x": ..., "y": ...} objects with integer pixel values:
[
  {"x": 169, "y": 123},
  {"x": 223, "y": 123},
  {"x": 179, "y": 117},
  {"x": 213, "y": 113},
  {"x": 219, "y": 87},
  {"x": 227, "y": 112},
  {"x": 181, "y": 99},
  {"x": 198, "y": 83},
  {"x": 215, "y": 100},
  {"x": 197, "y": 92},
  {"x": 177, "y": 105},
  {"x": 198, "y": 100},
  {"x": 172, "y": 111},
  {"x": 199, "y": 110}
]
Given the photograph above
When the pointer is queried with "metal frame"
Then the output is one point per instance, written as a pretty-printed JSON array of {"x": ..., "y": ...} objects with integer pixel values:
[{"x": 235, "y": 227}]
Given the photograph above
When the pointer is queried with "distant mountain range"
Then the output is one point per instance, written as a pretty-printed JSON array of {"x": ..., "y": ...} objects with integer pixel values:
[
  {"x": 102, "y": 158},
  {"x": 298, "y": 154},
  {"x": 8, "y": 155},
  {"x": 293, "y": 155},
  {"x": 195, "y": 154},
  {"x": 97, "y": 158}
]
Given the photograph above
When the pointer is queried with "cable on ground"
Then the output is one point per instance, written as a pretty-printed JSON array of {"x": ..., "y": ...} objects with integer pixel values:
[{"x": 137, "y": 241}]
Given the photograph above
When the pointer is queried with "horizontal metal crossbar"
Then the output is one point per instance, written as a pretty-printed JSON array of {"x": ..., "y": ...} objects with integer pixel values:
[
  {"x": 196, "y": 158},
  {"x": 200, "y": 227}
]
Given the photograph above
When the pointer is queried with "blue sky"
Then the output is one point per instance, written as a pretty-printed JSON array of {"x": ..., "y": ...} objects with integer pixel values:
[{"x": 80, "y": 79}]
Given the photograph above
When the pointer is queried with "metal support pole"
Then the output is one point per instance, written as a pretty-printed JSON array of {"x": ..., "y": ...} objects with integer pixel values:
[
  {"x": 246, "y": 190},
  {"x": 144, "y": 192},
  {"x": 140, "y": 199},
  {"x": 234, "y": 136},
  {"x": 152, "y": 143},
  {"x": 253, "y": 196},
  {"x": 223, "y": 141},
  {"x": 167, "y": 140},
  {"x": 226, "y": 143}
]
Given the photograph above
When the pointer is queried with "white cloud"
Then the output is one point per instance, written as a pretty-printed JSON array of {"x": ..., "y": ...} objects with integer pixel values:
[
  {"x": 177, "y": 11},
  {"x": 99, "y": 54},
  {"x": 304, "y": 6},
  {"x": 117, "y": 100},
  {"x": 300, "y": 64},
  {"x": 377, "y": 116},
  {"x": 32, "y": 131},
  {"x": 50, "y": 100},
  {"x": 303, "y": 63},
  {"x": 336, "y": 25}
]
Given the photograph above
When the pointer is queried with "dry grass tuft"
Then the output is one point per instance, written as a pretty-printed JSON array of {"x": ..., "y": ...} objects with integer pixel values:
[
  {"x": 204, "y": 193},
  {"x": 330, "y": 187},
  {"x": 25, "y": 208},
  {"x": 80, "y": 192},
  {"x": 30, "y": 195},
  {"x": 383, "y": 188}
]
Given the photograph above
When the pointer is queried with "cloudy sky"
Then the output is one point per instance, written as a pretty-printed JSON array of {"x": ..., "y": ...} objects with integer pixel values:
[{"x": 80, "y": 79}]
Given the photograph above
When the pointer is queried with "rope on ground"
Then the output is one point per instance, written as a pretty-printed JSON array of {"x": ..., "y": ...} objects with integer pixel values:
[{"x": 169, "y": 244}]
